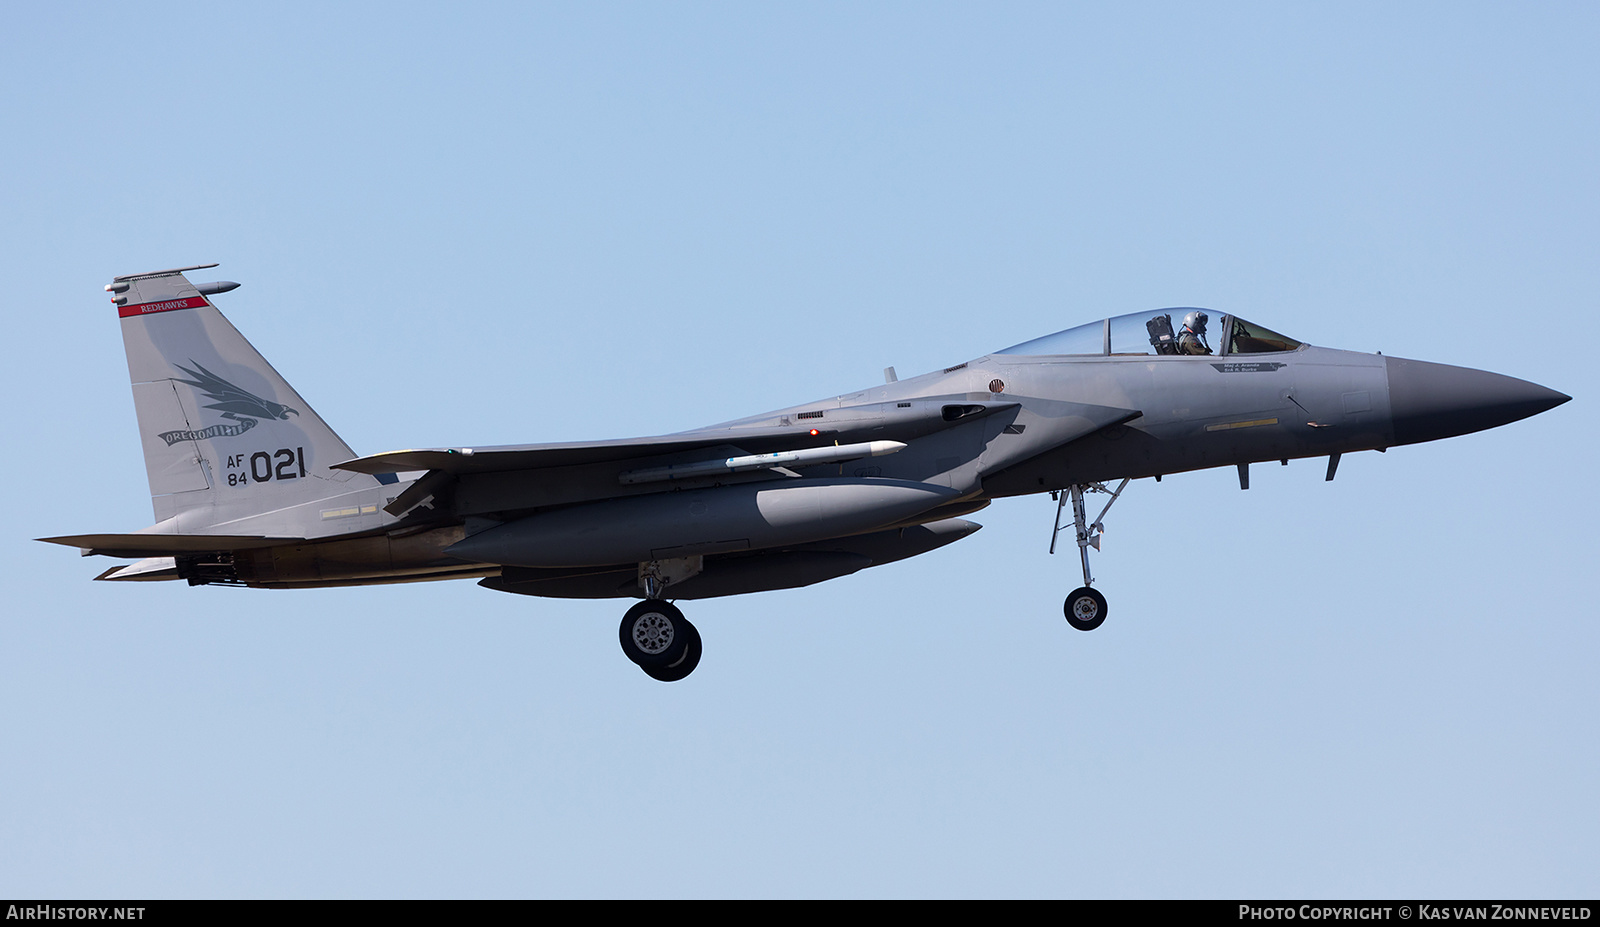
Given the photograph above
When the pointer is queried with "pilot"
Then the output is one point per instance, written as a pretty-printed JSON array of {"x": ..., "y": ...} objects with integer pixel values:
[{"x": 1192, "y": 340}]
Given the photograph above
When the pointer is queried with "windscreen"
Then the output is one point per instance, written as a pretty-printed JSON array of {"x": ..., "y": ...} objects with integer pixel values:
[{"x": 1250, "y": 338}]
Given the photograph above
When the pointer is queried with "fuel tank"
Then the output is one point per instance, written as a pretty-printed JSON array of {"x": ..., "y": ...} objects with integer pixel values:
[
  {"x": 737, "y": 574},
  {"x": 724, "y": 519}
]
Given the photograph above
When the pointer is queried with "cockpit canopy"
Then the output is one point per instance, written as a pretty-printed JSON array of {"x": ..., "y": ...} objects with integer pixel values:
[{"x": 1157, "y": 332}]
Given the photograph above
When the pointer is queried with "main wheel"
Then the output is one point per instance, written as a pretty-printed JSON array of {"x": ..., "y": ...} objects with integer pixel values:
[
  {"x": 685, "y": 664},
  {"x": 652, "y": 635},
  {"x": 1085, "y": 609}
]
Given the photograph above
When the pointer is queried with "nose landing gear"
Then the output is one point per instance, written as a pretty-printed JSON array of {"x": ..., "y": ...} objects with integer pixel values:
[{"x": 1085, "y": 608}]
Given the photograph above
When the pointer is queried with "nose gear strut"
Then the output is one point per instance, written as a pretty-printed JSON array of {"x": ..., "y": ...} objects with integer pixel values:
[{"x": 1085, "y": 608}]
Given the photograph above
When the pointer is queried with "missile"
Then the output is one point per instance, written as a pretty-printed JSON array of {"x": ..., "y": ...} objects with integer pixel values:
[{"x": 802, "y": 458}]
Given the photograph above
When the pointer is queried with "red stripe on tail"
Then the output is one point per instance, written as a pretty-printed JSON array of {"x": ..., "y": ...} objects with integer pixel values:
[{"x": 166, "y": 305}]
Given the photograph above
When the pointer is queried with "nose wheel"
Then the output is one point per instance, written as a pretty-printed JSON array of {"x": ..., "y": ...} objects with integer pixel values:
[
  {"x": 655, "y": 636},
  {"x": 1085, "y": 608}
]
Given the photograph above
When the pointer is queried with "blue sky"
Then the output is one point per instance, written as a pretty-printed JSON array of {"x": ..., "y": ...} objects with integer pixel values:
[{"x": 481, "y": 223}]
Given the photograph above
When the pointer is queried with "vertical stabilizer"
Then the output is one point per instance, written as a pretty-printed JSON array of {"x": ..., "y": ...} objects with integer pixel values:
[{"x": 225, "y": 437}]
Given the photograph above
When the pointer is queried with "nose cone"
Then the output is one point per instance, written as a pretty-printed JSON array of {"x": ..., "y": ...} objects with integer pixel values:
[{"x": 1432, "y": 401}]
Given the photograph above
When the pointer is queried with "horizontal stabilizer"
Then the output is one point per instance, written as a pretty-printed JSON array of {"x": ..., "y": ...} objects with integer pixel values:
[
  {"x": 153, "y": 569},
  {"x": 165, "y": 545}
]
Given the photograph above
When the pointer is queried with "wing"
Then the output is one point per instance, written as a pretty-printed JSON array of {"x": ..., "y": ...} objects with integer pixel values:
[
  {"x": 905, "y": 425},
  {"x": 460, "y": 460}
]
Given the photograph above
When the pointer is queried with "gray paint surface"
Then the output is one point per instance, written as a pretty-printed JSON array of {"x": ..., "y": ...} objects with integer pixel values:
[{"x": 251, "y": 487}]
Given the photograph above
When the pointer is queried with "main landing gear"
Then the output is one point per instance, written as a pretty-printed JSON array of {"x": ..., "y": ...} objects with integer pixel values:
[
  {"x": 663, "y": 643},
  {"x": 1085, "y": 608},
  {"x": 654, "y": 634}
]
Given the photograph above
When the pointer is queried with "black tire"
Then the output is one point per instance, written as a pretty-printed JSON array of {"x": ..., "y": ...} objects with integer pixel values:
[
  {"x": 673, "y": 672},
  {"x": 651, "y": 634},
  {"x": 1085, "y": 609}
]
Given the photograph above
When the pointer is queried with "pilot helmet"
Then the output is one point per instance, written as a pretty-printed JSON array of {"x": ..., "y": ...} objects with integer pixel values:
[{"x": 1195, "y": 322}]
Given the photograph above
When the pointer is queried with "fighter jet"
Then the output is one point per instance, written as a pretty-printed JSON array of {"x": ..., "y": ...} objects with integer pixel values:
[{"x": 251, "y": 488}]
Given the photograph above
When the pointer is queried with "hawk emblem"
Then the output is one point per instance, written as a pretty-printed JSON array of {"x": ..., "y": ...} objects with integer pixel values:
[{"x": 239, "y": 405}]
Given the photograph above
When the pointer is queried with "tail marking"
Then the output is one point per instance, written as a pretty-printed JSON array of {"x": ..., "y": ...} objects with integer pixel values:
[
  {"x": 192, "y": 302},
  {"x": 234, "y": 402}
]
